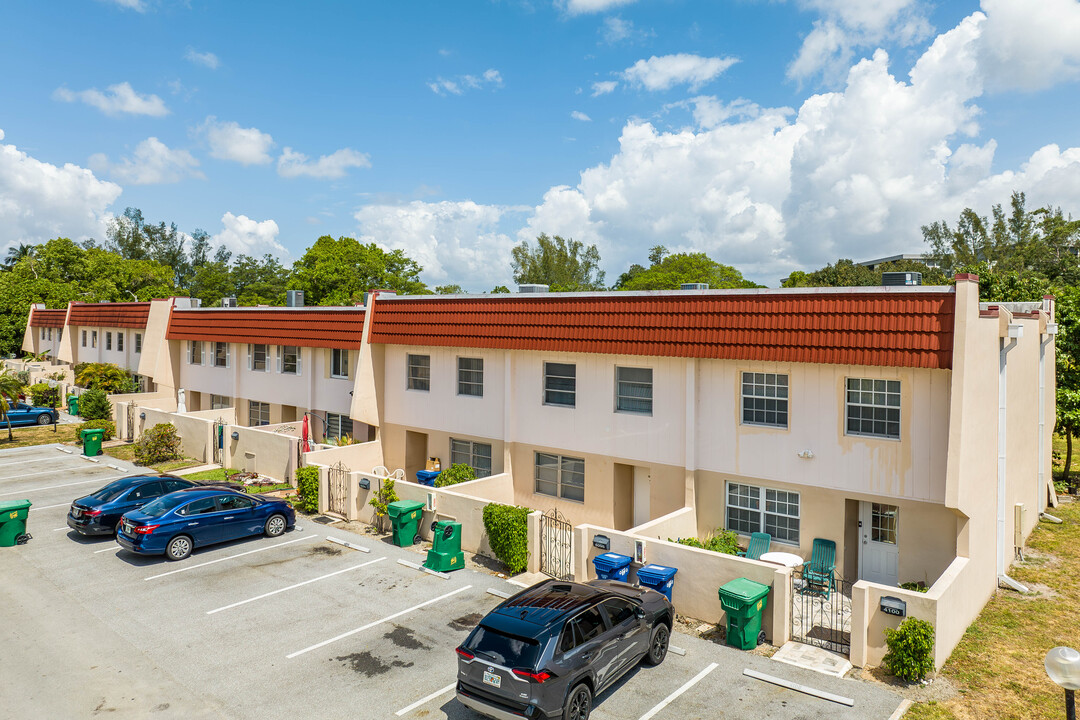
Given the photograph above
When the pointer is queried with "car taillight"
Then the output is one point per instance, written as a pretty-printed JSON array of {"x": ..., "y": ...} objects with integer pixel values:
[
  {"x": 145, "y": 529},
  {"x": 464, "y": 653},
  {"x": 535, "y": 677},
  {"x": 91, "y": 513}
]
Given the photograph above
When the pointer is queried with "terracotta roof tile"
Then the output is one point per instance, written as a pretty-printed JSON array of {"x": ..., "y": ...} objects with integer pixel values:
[
  {"x": 47, "y": 318},
  {"x": 306, "y": 327},
  {"x": 125, "y": 315}
]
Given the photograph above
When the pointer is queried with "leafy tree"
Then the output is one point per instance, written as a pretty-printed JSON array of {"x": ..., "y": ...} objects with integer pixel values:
[
  {"x": 338, "y": 272},
  {"x": 259, "y": 282},
  {"x": 1067, "y": 354},
  {"x": 11, "y": 386},
  {"x": 500, "y": 290},
  {"x": 18, "y": 252},
  {"x": 670, "y": 272},
  {"x": 565, "y": 265},
  {"x": 846, "y": 273},
  {"x": 448, "y": 290}
]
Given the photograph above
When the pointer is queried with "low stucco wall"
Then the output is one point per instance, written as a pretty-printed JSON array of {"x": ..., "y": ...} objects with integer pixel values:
[
  {"x": 266, "y": 453},
  {"x": 679, "y": 524},
  {"x": 361, "y": 457},
  {"x": 461, "y": 503}
]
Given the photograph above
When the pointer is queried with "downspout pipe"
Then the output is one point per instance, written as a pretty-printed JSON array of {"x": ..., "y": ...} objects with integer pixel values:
[
  {"x": 1041, "y": 492},
  {"x": 1016, "y": 331}
]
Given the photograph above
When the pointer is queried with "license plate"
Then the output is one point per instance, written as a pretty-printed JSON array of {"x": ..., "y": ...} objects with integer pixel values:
[
  {"x": 127, "y": 528},
  {"x": 492, "y": 679},
  {"x": 76, "y": 512}
]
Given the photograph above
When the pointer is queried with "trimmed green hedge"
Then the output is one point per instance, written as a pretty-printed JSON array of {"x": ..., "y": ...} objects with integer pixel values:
[
  {"x": 911, "y": 650},
  {"x": 456, "y": 473},
  {"x": 307, "y": 488},
  {"x": 107, "y": 425},
  {"x": 507, "y": 528}
]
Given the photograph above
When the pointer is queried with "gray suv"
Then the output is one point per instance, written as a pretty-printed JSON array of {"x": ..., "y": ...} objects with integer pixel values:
[{"x": 549, "y": 650}]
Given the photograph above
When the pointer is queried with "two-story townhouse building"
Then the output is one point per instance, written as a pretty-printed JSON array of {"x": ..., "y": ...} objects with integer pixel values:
[
  {"x": 113, "y": 333},
  {"x": 44, "y": 330}
]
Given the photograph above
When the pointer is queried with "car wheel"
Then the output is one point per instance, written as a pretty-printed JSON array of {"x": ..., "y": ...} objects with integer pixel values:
[
  {"x": 658, "y": 645},
  {"x": 178, "y": 548},
  {"x": 578, "y": 704},
  {"x": 275, "y": 526},
  {"x": 44, "y": 419}
]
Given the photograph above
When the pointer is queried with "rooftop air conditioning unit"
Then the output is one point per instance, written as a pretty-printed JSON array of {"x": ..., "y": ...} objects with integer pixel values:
[
  {"x": 901, "y": 278},
  {"x": 532, "y": 288},
  {"x": 694, "y": 286},
  {"x": 229, "y": 302},
  {"x": 294, "y": 298}
]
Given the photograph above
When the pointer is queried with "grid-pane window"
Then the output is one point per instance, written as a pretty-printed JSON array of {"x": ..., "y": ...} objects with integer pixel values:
[
  {"x": 873, "y": 407},
  {"x": 93, "y": 338},
  {"x": 765, "y": 399},
  {"x": 259, "y": 357},
  {"x": 883, "y": 523},
  {"x": 753, "y": 509},
  {"x": 121, "y": 335},
  {"x": 560, "y": 384},
  {"x": 475, "y": 455},
  {"x": 42, "y": 333},
  {"x": 138, "y": 342},
  {"x": 560, "y": 476},
  {"x": 219, "y": 402},
  {"x": 108, "y": 341},
  {"x": 258, "y": 413},
  {"x": 470, "y": 372},
  {"x": 195, "y": 353},
  {"x": 221, "y": 354},
  {"x": 633, "y": 390},
  {"x": 339, "y": 363},
  {"x": 120, "y": 341},
  {"x": 338, "y": 426},
  {"x": 290, "y": 359},
  {"x": 84, "y": 338},
  {"x": 419, "y": 372}
]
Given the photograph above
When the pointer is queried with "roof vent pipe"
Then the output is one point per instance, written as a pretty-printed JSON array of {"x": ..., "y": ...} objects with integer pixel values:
[
  {"x": 532, "y": 288},
  {"x": 294, "y": 298},
  {"x": 694, "y": 286}
]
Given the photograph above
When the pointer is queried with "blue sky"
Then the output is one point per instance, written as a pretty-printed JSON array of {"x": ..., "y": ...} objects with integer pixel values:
[{"x": 771, "y": 135}]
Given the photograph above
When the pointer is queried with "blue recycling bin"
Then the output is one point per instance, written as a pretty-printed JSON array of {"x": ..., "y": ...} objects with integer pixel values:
[
  {"x": 658, "y": 577},
  {"x": 612, "y": 566},
  {"x": 427, "y": 477}
]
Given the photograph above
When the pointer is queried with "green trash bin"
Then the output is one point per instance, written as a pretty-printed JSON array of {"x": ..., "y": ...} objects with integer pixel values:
[
  {"x": 405, "y": 518},
  {"x": 445, "y": 553},
  {"x": 744, "y": 601},
  {"x": 13, "y": 521},
  {"x": 73, "y": 404},
  {"x": 91, "y": 442}
]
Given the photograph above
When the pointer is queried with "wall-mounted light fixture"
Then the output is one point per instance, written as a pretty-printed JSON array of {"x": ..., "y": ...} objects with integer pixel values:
[
  {"x": 806, "y": 454},
  {"x": 142, "y": 416},
  {"x": 235, "y": 435}
]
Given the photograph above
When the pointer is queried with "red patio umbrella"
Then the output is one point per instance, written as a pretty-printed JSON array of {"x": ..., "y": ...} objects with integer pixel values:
[{"x": 304, "y": 435}]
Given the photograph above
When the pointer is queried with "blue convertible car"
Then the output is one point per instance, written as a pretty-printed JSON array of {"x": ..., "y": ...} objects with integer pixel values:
[
  {"x": 179, "y": 522},
  {"x": 22, "y": 414}
]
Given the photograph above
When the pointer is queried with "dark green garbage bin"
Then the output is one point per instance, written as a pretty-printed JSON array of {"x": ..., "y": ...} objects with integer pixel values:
[
  {"x": 91, "y": 442},
  {"x": 445, "y": 553},
  {"x": 13, "y": 521},
  {"x": 73, "y": 404},
  {"x": 405, "y": 518},
  {"x": 744, "y": 601}
]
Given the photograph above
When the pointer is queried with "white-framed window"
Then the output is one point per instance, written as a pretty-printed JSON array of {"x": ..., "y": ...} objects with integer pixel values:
[
  {"x": 220, "y": 402},
  {"x": 560, "y": 384},
  {"x": 93, "y": 338},
  {"x": 339, "y": 363},
  {"x": 883, "y": 523},
  {"x": 560, "y": 476},
  {"x": 50, "y": 333},
  {"x": 84, "y": 338},
  {"x": 258, "y": 357},
  {"x": 765, "y": 399},
  {"x": 873, "y": 408},
  {"x": 108, "y": 341},
  {"x": 42, "y": 333},
  {"x": 195, "y": 352},
  {"x": 470, "y": 376},
  {"x": 120, "y": 341},
  {"x": 288, "y": 359},
  {"x": 221, "y": 355},
  {"x": 418, "y": 372},
  {"x": 138, "y": 342},
  {"x": 633, "y": 390},
  {"x": 474, "y": 454},
  {"x": 752, "y": 509},
  {"x": 258, "y": 413},
  {"x": 338, "y": 426}
]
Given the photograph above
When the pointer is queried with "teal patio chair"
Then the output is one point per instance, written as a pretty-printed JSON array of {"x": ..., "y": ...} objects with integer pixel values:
[
  {"x": 759, "y": 545},
  {"x": 819, "y": 571}
]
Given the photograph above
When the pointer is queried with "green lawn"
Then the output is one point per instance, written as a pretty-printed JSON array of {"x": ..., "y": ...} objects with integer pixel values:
[
  {"x": 127, "y": 452},
  {"x": 212, "y": 475},
  {"x": 36, "y": 435}
]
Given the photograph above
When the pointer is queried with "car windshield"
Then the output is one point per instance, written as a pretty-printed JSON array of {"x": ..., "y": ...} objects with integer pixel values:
[
  {"x": 508, "y": 650},
  {"x": 164, "y": 504},
  {"x": 111, "y": 491}
]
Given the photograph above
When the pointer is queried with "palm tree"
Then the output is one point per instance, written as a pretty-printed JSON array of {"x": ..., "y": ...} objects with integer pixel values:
[
  {"x": 10, "y": 389},
  {"x": 17, "y": 252}
]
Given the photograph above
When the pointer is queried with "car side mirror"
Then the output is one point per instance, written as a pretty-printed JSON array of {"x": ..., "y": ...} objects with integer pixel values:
[{"x": 640, "y": 613}]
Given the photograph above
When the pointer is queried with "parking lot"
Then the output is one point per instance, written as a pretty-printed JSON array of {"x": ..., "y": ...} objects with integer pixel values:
[{"x": 297, "y": 626}]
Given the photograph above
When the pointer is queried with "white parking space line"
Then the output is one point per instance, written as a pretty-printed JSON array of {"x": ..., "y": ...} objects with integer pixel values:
[
  {"x": 49, "y": 507},
  {"x": 430, "y": 697},
  {"x": 388, "y": 618},
  {"x": 230, "y": 557},
  {"x": 54, "y": 487},
  {"x": 291, "y": 587},
  {"x": 20, "y": 462},
  {"x": 111, "y": 547},
  {"x": 53, "y": 471},
  {"x": 673, "y": 696},
  {"x": 63, "y": 528}
]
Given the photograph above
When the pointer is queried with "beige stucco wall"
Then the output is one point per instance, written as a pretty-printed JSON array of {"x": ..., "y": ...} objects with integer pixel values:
[{"x": 360, "y": 457}]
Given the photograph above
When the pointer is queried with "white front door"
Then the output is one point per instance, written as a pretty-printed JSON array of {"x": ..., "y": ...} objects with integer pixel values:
[
  {"x": 642, "y": 490},
  {"x": 879, "y": 556}
]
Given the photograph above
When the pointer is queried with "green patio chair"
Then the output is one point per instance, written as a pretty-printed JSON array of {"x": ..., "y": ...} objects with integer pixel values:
[
  {"x": 819, "y": 572},
  {"x": 759, "y": 545}
]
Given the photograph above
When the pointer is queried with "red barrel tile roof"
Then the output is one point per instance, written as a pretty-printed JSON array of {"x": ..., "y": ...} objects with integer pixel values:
[
  {"x": 306, "y": 327},
  {"x": 125, "y": 315},
  {"x": 47, "y": 318},
  {"x": 883, "y": 328}
]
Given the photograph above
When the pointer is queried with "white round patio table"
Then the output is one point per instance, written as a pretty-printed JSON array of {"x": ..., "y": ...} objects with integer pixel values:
[{"x": 782, "y": 558}]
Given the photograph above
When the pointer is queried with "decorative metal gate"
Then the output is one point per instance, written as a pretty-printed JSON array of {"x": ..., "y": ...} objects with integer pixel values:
[
  {"x": 556, "y": 542},
  {"x": 337, "y": 495},
  {"x": 132, "y": 408},
  {"x": 821, "y": 612},
  {"x": 219, "y": 441}
]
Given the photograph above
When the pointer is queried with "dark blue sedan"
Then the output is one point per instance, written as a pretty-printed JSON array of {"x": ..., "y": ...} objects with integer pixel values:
[
  {"x": 99, "y": 512},
  {"x": 177, "y": 523},
  {"x": 22, "y": 414}
]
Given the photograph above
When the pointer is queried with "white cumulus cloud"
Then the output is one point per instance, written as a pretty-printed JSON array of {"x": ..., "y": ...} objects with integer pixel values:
[
  {"x": 586, "y": 7},
  {"x": 578, "y": 115},
  {"x": 229, "y": 141},
  {"x": 206, "y": 59},
  {"x": 293, "y": 164},
  {"x": 152, "y": 163},
  {"x": 603, "y": 87},
  {"x": 242, "y": 235},
  {"x": 664, "y": 72},
  {"x": 39, "y": 201},
  {"x": 1030, "y": 45},
  {"x": 116, "y": 100}
]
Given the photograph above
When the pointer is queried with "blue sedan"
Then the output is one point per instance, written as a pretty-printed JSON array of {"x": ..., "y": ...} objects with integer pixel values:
[
  {"x": 99, "y": 512},
  {"x": 22, "y": 414},
  {"x": 177, "y": 523}
]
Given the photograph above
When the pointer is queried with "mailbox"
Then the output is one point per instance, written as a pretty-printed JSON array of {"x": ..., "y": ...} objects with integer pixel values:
[
  {"x": 893, "y": 606},
  {"x": 365, "y": 484},
  {"x": 601, "y": 542}
]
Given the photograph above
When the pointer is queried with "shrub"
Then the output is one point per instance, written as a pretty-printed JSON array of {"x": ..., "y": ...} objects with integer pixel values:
[
  {"x": 104, "y": 376},
  {"x": 43, "y": 395},
  {"x": 157, "y": 444},
  {"x": 307, "y": 488},
  {"x": 507, "y": 528},
  {"x": 918, "y": 586},
  {"x": 911, "y": 650},
  {"x": 456, "y": 473},
  {"x": 23, "y": 376},
  {"x": 722, "y": 541},
  {"x": 94, "y": 405},
  {"x": 381, "y": 498},
  {"x": 107, "y": 425}
]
